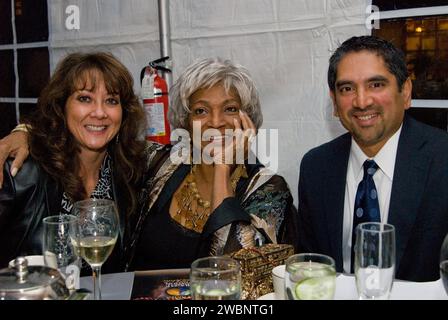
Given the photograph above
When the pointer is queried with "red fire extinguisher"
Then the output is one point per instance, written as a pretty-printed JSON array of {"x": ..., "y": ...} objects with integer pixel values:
[{"x": 155, "y": 101}]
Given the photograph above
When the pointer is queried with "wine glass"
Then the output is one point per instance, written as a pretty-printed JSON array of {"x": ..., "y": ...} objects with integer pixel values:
[
  {"x": 444, "y": 263},
  {"x": 58, "y": 249},
  {"x": 215, "y": 278},
  {"x": 95, "y": 235}
]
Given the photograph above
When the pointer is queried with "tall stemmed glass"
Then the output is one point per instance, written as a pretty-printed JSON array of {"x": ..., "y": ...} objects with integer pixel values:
[{"x": 96, "y": 234}]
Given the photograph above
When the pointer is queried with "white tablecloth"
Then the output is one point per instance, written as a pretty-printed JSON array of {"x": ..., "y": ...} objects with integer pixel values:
[
  {"x": 114, "y": 286},
  {"x": 401, "y": 290},
  {"x": 118, "y": 286}
]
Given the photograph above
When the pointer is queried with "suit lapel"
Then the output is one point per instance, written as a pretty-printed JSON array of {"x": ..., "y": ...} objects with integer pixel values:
[
  {"x": 334, "y": 183},
  {"x": 411, "y": 168}
]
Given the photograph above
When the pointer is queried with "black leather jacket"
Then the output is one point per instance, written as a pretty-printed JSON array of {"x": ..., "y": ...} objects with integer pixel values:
[{"x": 29, "y": 197}]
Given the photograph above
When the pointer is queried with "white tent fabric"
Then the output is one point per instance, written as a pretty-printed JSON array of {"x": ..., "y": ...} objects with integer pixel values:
[{"x": 284, "y": 43}]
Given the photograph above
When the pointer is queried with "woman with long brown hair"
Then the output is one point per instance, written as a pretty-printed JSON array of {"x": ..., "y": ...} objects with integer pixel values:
[{"x": 83, "y": 141}]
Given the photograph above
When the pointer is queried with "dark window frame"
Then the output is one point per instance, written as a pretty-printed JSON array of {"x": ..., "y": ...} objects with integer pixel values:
[
  {"x": 418, "y": 12},
  {"x": 18, "y": 100}
]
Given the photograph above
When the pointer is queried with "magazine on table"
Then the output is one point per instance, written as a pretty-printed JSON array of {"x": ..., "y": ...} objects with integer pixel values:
[{"x": 167, "y": 284}]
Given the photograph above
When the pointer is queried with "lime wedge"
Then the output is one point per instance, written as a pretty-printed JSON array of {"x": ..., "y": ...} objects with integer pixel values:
[{"x": 321, "y": 288}]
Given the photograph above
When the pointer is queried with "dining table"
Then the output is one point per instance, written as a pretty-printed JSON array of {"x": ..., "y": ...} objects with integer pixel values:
[
  {"x": 401, "y": 290},
  {"x": 114, "y": 286},
  {"x": 119, "y": 286}
]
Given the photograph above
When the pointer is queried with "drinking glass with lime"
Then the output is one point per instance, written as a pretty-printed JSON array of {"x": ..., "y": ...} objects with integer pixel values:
[{"x": 310, "y": 276}]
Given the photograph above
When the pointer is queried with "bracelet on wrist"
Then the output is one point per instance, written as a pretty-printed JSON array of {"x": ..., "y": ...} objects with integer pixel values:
[{"x": 21, "y": 127}]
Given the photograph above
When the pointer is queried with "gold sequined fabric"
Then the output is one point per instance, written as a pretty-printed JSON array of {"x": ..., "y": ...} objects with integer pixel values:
[{"x": 256, "y": 267}]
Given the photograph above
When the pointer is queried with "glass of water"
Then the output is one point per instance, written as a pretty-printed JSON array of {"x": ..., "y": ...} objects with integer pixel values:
[
  {"x": 59, "y": 252},
  {"x": 310, "y": 276},
  {"x": 215, "y": 278},
  {"x": 374, "y": 260}
]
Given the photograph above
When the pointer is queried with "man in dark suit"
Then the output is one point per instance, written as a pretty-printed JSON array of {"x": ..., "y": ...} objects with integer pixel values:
[{"x": 370, "y": 90}]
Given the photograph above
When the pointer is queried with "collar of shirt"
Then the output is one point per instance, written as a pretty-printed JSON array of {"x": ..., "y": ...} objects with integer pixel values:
[{"x": 385, "y": 158}]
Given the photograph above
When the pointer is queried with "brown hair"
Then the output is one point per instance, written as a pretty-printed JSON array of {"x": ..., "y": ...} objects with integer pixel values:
[{"x": 55, "y": 148}]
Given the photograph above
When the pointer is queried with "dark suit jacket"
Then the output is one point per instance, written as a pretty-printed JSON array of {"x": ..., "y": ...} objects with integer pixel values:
[
  {"x": 418, "y": 205},
  {"x": 28, "y": 198}
]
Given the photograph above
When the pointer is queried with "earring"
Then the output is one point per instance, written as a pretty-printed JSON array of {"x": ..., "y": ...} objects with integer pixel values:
[{"x": 117, "y": 137}]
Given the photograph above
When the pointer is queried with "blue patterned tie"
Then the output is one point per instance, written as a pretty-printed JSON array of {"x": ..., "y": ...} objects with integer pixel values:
[{"x": 367, "y": 208}]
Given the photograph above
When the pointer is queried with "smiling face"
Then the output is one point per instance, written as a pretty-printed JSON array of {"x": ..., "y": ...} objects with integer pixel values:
[
  {"x": 367, "y": 99},
  {"x": 214, "y": 108},
  {"x": 93, "y": 115}
]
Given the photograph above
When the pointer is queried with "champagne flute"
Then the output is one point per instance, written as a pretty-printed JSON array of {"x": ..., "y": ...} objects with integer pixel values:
[{"x": 96, "y": 234}]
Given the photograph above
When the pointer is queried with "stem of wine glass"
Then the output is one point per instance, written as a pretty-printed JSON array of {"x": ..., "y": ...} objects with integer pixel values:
[{"x": 96, "y": 275}]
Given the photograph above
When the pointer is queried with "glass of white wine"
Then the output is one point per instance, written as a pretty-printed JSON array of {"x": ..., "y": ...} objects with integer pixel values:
[
  {"x": 95, "y": 235},
  {"x": 215, "y": 278}
]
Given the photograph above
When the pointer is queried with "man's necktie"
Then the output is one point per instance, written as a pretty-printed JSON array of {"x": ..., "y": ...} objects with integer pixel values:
[{"x": 367, "y": 208}]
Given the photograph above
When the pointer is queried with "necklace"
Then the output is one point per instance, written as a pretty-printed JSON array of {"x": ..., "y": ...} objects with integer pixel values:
[{"x": 193, "y": 211}]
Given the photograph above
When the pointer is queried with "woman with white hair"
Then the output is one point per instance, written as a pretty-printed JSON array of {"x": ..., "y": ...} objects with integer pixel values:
[{"x": 199, "y": 206}]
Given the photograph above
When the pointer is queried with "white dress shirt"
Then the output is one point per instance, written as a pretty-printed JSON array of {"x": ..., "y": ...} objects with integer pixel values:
[{"x": 383, "y": 178}]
